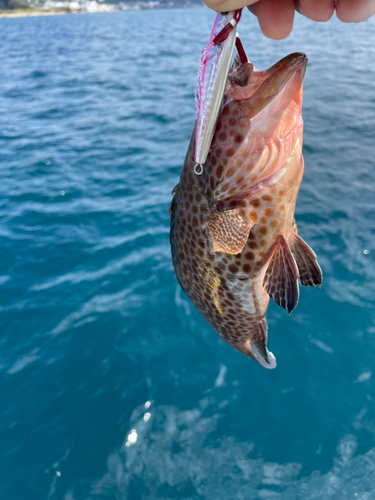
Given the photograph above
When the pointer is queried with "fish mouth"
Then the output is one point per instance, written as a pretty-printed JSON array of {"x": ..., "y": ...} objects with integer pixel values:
[
  {"x": 288, "y": 65},
  {"x": 266, "y": 85}
]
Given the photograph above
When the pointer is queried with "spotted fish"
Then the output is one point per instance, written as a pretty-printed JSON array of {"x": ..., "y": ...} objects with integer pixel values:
[{"x": 233, "y": 236}]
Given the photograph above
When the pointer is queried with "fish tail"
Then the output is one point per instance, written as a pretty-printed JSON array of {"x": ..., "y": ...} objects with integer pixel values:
[{"x": 256, "y": 346}]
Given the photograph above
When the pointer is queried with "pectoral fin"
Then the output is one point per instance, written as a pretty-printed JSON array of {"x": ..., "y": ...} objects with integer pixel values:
[
  {"x": 310, "y": 273},
  {"x": 281, "y": 278},
  {"x": 229, "y": 232}
]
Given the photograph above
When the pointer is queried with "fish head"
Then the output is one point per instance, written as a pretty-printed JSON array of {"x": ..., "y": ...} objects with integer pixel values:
[
  {"x": 276, "y": 91},
  {"x": 257, "y": 129}
]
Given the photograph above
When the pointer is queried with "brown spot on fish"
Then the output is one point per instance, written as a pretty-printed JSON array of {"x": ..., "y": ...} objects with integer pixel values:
[
  {"x": 233, "y": 269},
  {"x": 246, "y": 268}
]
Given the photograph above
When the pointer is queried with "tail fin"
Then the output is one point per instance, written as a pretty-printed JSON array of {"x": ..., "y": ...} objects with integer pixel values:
[{"x": 256, "y": 346}]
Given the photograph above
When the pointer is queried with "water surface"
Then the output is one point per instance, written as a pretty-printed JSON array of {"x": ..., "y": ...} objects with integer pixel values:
[{"x": 112, "y": 386}]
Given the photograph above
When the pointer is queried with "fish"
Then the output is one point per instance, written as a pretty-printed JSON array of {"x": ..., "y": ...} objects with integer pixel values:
[{"x": 233, "y": 236}]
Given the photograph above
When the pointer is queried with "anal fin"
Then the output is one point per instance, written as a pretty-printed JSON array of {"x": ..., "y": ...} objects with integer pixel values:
[
  {"x": 281, "y": 278},
  {"x": 229, "y": 232},
  {"x": 310, "y": 273}
]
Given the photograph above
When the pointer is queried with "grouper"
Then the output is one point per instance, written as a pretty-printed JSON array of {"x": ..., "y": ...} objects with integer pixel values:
[{"x": 233, "y": 235}]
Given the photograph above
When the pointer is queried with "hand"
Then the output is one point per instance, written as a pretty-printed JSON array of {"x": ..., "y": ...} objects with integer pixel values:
[{"x": 275, "y": 17}]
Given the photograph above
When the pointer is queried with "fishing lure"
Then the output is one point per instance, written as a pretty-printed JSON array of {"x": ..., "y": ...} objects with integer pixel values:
[{"x": 212, "y": 76}]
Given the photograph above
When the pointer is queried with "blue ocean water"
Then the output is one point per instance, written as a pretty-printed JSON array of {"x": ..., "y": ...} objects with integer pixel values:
[{"x": 111, "y": 384}]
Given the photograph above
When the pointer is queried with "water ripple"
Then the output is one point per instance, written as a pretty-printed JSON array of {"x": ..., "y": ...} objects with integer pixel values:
[{"x": 96, "y": 113}]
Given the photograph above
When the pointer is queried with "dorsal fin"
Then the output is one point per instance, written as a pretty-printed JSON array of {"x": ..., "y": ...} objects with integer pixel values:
[
  {"x": 281, "y": 278},
  {"x": 229, "y": 232},
  {"x": 310, "y": 273}
]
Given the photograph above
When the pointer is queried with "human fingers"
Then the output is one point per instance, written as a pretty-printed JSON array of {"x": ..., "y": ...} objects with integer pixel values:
[
  {"x": 228, "y": 5},
  {"x": 316, "y": 10},
  {"x": 275, "y": 17},
  {"x": 355, "y": 11}
]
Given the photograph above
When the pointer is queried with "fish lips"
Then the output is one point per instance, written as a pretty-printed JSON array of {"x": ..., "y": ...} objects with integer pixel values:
[
  {"x": 288, "y": 65},
  {"x": 275, "y": 79}
]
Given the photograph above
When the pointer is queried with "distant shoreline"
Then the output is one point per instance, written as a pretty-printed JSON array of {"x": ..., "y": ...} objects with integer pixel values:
[
  {"x": 35, "y": 12},
  {"x": 62, "y": 11}
]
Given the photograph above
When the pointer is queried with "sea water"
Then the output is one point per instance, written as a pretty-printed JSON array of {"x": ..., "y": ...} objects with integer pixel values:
[{"x": 111, "y": 384}]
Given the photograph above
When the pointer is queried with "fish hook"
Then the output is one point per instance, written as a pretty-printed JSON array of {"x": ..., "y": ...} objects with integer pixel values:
[{"x": 223, "y": 35}]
